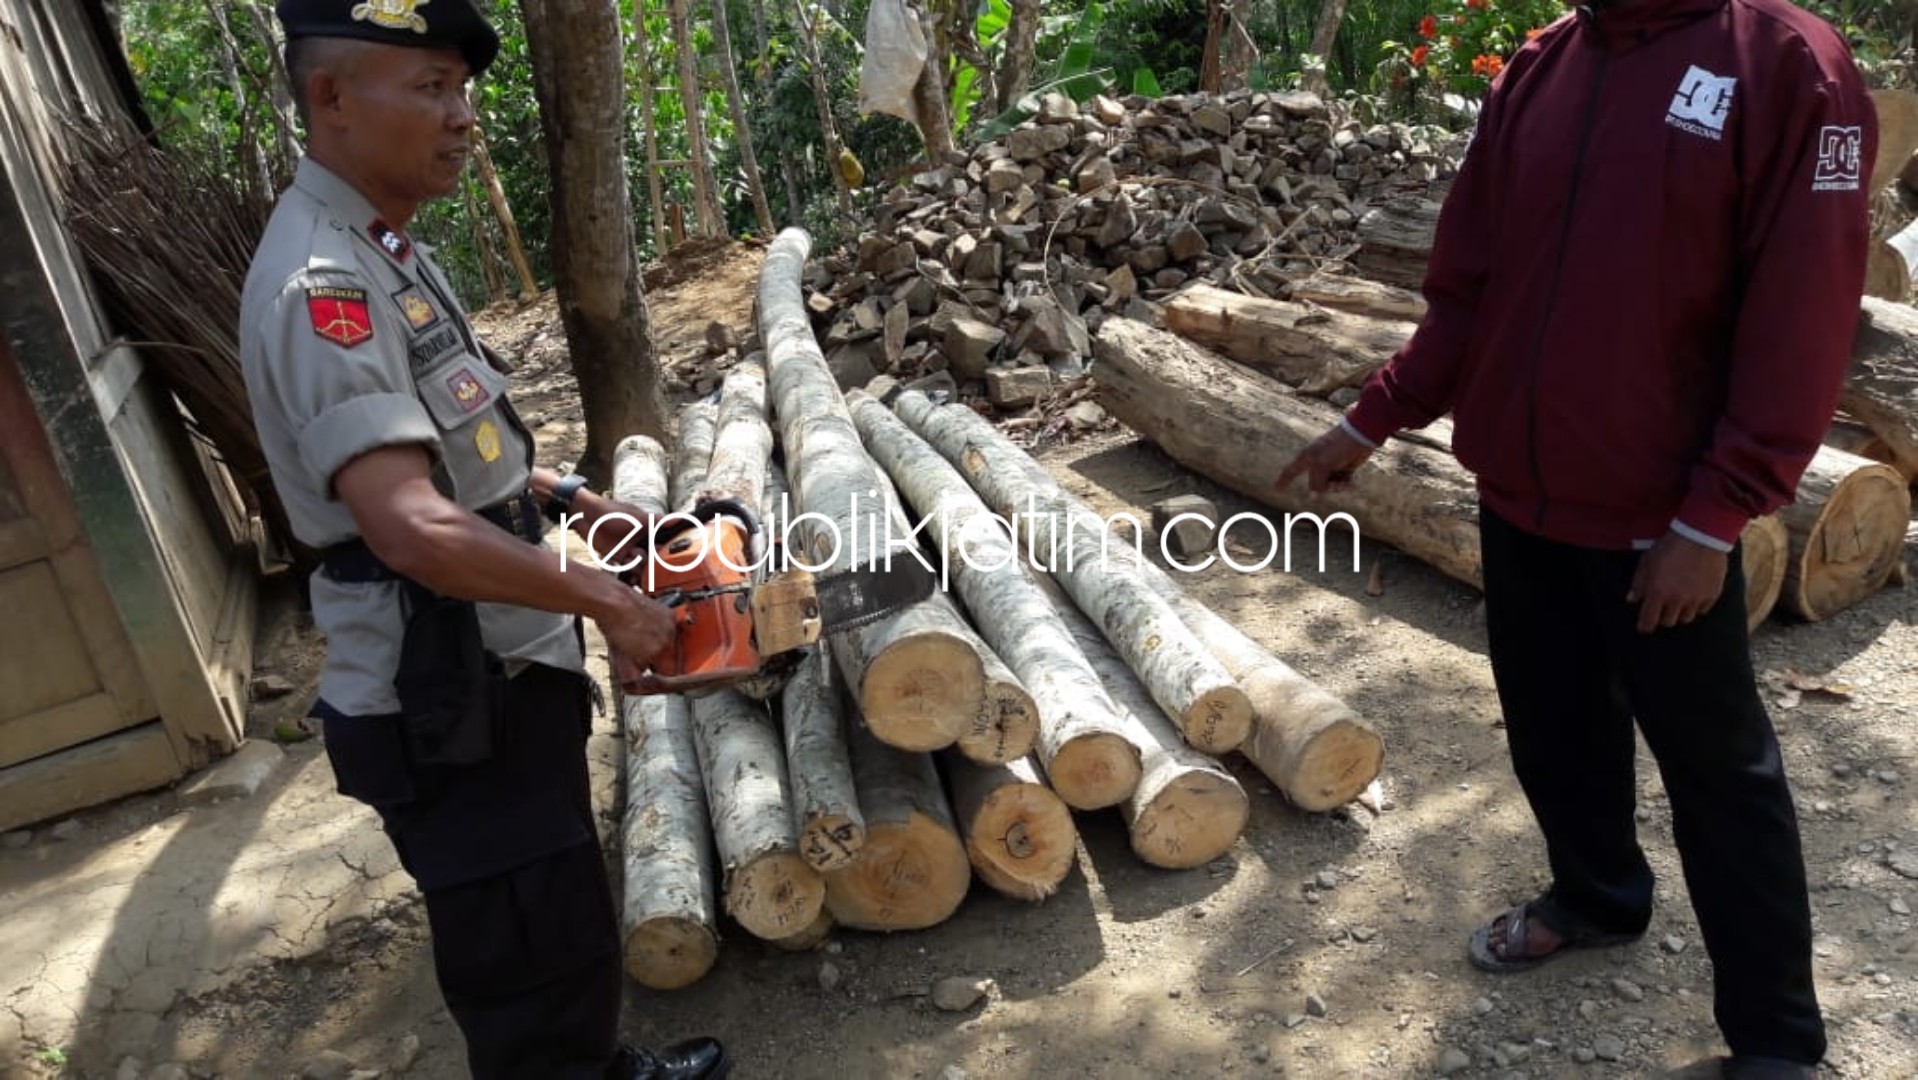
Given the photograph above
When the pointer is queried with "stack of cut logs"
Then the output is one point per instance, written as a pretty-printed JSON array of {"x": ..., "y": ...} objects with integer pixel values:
[
  {"x": 993, "y": 269},
  {"x": 1233, "y": 385},
  {"x": 954, "y": 739}
]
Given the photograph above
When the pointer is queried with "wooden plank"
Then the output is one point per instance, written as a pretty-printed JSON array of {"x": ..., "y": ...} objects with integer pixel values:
[
  {"x": 71, "y": 724},
  {"x": 43, "y": 659},
  {"x": 87, "y": 775}
]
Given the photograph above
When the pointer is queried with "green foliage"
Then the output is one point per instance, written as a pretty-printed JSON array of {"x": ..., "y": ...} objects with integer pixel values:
[{"x": 1462, "y": 45}]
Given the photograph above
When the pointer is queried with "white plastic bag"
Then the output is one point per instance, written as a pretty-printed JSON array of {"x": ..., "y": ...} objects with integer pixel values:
[{"x": 895, "y": 55}]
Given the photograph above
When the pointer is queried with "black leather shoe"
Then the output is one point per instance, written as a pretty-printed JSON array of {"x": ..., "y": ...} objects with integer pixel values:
[
  {"x": 1763, "y": 1068},
  {"x": 694, "y": 1059}
]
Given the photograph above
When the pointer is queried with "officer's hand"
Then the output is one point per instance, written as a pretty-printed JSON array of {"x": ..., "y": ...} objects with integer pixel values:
[
  {"x": 1677, "y": 581},
  {"x": 1327, "y": 462},
  {"x": 638, "y": 627}
]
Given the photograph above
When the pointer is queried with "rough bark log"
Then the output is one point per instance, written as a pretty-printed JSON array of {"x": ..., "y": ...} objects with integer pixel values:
[
  {"x": 1881, "y": 388},
  {"x": 1764, "y": 548},
  {"x": 1855, "y": 438},
  {"x": 1015, "y": 69},
  {"x": 1360, "y": 296},
  {"x": 1007, "y": 723},
  {"x": 1019, "y": 834},
  {"x": 639, "y": 474},
  {"x": 742, "y": 438},
  {"x": 1213, "y": 713},
  {"x": 1188, "y": 809},
  {"x": 1089, "y": 753},
  {"x": 770, "y": 890},
  {"x": 692, "y": 452},
  {"x": 668, "y": 922},
  {"x": 1313, "y": 349},
  {"x": 931, "y": 92},
  {"x": 825, "y": 803},
  {"x": 912, "y": 872},
  {"x": 1396, "y": 241},
  {"x": 1847, "y": 530},
  {"x": 1325, "y": 34},
  {"x": 918, "y": 684},
  {"x": 579, "y": 75}
]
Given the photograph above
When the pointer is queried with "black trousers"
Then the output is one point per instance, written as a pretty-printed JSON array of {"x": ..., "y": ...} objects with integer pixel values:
[
  {"x": 1573, "y": 672},
  {"x": 526, "y": 942}
]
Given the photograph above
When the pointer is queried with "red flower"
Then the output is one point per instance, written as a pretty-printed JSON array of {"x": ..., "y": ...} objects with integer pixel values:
[
  {"x": 1428, "y": 26},
  {"x": 1487, "y": 65},
  {"x": 1420, "y": 54},
  {"x": 1480, "y": 4}
]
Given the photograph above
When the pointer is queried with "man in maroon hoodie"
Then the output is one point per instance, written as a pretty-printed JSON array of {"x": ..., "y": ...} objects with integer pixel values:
[{"x": 1642, "y": 297}]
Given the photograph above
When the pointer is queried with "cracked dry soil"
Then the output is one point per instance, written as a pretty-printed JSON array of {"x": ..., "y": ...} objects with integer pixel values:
[{"x": 1320, "y": 946}]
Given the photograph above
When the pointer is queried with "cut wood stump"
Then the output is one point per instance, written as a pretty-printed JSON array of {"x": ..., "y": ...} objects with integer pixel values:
[
  {"x": 668, "y": 922},
  {"x": 769, "y": 888},
  {"x": 1847, "y": 531},
  {"x": 1881, "y": 386},
  {"x": 912, "y": 872},
  {"x": 1763, "y": 549},
  {"x": 1019, "y": 834}
]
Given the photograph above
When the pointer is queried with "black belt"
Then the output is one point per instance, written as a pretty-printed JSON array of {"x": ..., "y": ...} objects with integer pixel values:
[{"x": 353, "y": 562}]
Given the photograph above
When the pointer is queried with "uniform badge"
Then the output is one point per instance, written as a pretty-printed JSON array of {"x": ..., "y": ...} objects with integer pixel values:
[
  {"x": 467, "y": 391},
  {"x": 392, "y": 14},
  {"x": 417, "y": 309},
  {"x": 395, "y": 245},
  {"x": 340, "y": 315},
  {"x": 486, "y": 441}
]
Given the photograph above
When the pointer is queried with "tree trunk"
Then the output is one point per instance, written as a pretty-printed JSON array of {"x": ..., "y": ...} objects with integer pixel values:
[
  {"x": 822, "y": 100},
  {"x": 259, "y": 177},
  {"x": 1019, "y": 835},
  {"x": 1325, "y": 34},
  {"x": 1188, "y": 809},
  {"x": 1359, "y": 296},
  {"x": 1240, "y": 53},
  {"x": 666, "y": 838},
  {"x": 279, "y": 89},
  {"x": 770, "y": 889},
  {"x": 918, "y": 684},
  {"x": 912, "y": 872},
  {"x": 495, "y": 194},
  {"x": 1015, "y": 68},
  {"x": 1185, "y": 679},
  {"x": 1881, "y": 388},
  {"x": 692, "y": 452},
  {"x": 1007, "y": 722},
  {"x": 1209, "y": 66},
  {"x": 1315, "y": 350},
  {"x": 485, "y": 253},
  {"x": 575, "y": 49},
  {"x": 742, "y": 118},
  {"x": 743, "y": 440},
  {"x": 1238, "y": 428},
  {"x": 826, "y": 805},
  {"x": 1766, "y": 546},
  {"x": 1090, "y": 754},
  {"x": 705, "y": 189},
  {"x": 932, "y": 94},
  {"x": 655, "y": 202},
  {"x": 1847, "y": 530}
]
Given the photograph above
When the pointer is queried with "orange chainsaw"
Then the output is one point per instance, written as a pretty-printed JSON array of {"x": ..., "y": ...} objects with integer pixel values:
[{"x": 732, "y": 623}]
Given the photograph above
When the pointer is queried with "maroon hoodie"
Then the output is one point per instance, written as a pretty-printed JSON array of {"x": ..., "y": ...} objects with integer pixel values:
[{"x": 1646, "y": 278}]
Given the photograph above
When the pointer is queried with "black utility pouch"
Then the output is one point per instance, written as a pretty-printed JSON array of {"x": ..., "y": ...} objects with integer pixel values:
[{"x": 452, "y": 691}]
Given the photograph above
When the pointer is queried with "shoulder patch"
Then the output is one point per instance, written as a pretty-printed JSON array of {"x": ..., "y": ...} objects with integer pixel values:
[
  {"x": 339, "y": 315},
  {"x": 417, "y": 309}
]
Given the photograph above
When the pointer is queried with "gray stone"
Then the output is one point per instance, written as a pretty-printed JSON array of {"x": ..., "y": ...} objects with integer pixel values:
[
  {"x": 1482, "y": 1007},
  {"x": 1328, "y": 879},
  {"x": 1057, "y": 109},
  {"x": 67, "y": 829},
  {"x": 1211, "y": 118},
  {"x": 1628, "y": 990},
  {"x": 1005, "y": 175},
  {"x": 329, "y": 1065},
  {"x": 1122, "y": 221},
  {"x": 1904, "y": 863},
  {"x": 1315, "y": 1006},
  {"x": 935, "y": 385},
  {"x": 1011, "y": 388},
  {"x": 1899, "y": 907},
  {"x": 1584, "y": 1055},
  {"x": 268, "y": 687},
  {"x": 954, "y": 1072},
  {"x": 1107, "y": 111},
  {"x": 238, "y": 777},
  {"x": 1086, "y": 415},
  {"x": 852, "y": 365},
  {"x": 957, "y": 993},
  {"x": 829, "y": 977},
  {"x": 1170, "y": 278},
  {"x": 1096, "y": 174},
  {"x": 968, "y": 345},
  {"x": 1186, "y": 242},
  {"x": 1673, "y": 944},
  {"x": 1054, "y": 331},
  {"x": 1608, "y": 1047},
  {"x": 1033, "y": 143},
  {"x": 1452, "y": 1061},
  {"x": 1195, "y": 532}
]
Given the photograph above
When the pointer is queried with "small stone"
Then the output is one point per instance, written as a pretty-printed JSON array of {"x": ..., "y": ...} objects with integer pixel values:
[
  {"x": 1109, "y": 112},
  {"x": 1293, "y": 1020},
  {"x": 1628, "y": 990},
  {"x": 1452, "y": 1061},
  {"x": 829, "y": 976},
  {"x": 1584, "y": 1055},
  {"x": 1261, "y": 1054},
  {"x": 1057, "y": 109},
  {"x": 1888, "y": 776},
  {"x": 1033, "y": 143},
  {"x": 1327, "y": 879},
  {"x": 1674, "y": 944},
  {"x": 1608, "y": 1047},
  {"x": 67, "y": 829},
  {"x": 968, "y": 346},
  {"x": 1175, "y": 993},
  {"x": 953, "y": 1072},
  {"x": 1904, "y": 863},
  {"x": 1011, "y": 388},
  {"x": 1588, "y": 1010},
  {"x": 1315, "y": 1006},
  {"x": 1515, "y": 1053},
  {"x": 1186, "y": 242},
  {"x": 1212, "y": 119},
  {"x": 1899, "y": 907},
  {"x": 1841, "y": 770},
  {"x": 329, "y": 1065},
  {"x": 1086, "y": 415},
  {"x": 1482, "y": 1007},
  {"x": 268, "y": 687},
  {"x": 1882, "y": 979},
  {"x": 834, "y": 948},
  {"x": 1363, "y": 934},
  {"x": 957, "y": 993}
]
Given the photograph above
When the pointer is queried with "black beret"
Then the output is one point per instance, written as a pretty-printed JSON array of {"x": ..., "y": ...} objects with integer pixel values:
[{"x": 438, "y": 24}]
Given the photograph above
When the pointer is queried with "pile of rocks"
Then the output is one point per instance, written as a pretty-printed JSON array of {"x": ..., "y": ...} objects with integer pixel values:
[{"x": 996, "y": 267}]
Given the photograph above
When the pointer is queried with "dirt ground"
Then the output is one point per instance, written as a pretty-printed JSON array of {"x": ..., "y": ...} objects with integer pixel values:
[{"x": 1321, "y": 946}]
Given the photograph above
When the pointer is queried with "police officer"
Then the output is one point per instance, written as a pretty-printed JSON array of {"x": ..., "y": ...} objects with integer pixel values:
[{"x": 454, "y": 697}]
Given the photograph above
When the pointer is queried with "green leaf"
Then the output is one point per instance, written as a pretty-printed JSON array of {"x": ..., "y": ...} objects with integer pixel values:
[{"x": 1145, "y": 83}]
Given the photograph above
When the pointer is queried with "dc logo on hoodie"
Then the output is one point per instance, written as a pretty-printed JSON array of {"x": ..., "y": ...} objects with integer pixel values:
[
  {"x": 1839, "y": 151},
  {"x": 1701, "y": 103}
]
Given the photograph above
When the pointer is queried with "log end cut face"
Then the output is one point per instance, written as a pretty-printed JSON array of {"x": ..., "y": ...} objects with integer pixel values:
[
  {"x": 1853, "y": 546},
  {"x": 921, "y": 694},
  {"x": 1095, "y": 771},
  {"x": 1005, "y": 727},
  {"x": 1333, "y": 766},
  {"x": 775, "y": 896},
  {"x": 1191, "y": 821},
  {"x": 911, "y": 875},
  {"x": 1219, "y": 720},
  {"x": 1022, "y": 841},
  {"x": 670, "y": 953}
]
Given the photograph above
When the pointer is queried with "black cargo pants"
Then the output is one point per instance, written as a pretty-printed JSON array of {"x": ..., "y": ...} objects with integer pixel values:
[
  {"x": 1573, "y": 672},
  {"x": 525, "y": 937}
]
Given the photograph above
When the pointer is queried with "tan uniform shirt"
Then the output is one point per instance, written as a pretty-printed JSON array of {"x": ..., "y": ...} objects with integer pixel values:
[{"x": 350, "y": 340}]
